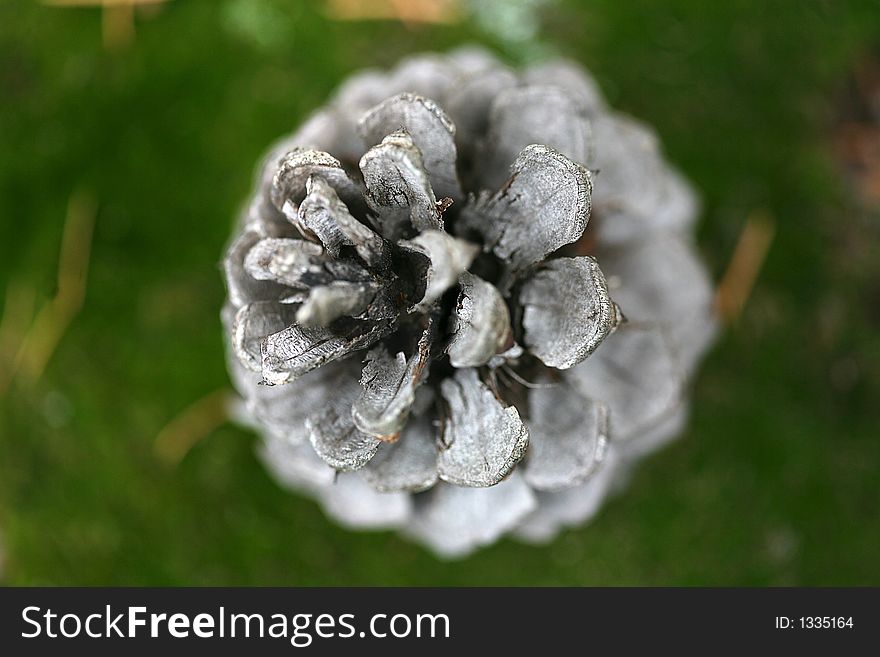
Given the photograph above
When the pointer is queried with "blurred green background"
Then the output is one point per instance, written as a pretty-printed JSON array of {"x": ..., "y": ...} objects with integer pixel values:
[{"x": 774, "y": 483}]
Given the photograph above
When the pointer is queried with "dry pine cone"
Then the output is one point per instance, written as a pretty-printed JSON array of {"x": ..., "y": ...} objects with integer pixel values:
[{"x": 417, "y": 319}]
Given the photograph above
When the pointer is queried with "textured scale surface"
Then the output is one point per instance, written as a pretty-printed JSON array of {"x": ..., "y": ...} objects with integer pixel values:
[{"x": 463, "y": 300}]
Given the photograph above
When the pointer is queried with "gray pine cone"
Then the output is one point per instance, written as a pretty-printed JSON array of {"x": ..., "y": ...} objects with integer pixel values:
[{"x": 417, "y": 320}]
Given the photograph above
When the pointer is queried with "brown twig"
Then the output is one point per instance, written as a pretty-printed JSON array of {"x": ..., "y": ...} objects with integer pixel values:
[
  {"x": 745, "y": 264},
  {"x": 117, "y": 26},
  {"x": 408, "y": 12},
  {"x": 193, "y": 424},
  {"x": 117, "y": 18},
  {"x": 55, "y": 316},
  {"x": 18, "y": 311}
]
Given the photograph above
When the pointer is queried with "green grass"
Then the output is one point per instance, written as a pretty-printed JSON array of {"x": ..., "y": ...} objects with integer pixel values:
[{"x": 775, "y": 481}]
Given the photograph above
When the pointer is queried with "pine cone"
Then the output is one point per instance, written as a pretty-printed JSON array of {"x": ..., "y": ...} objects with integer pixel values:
[{"x": 418, "y": 322}]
